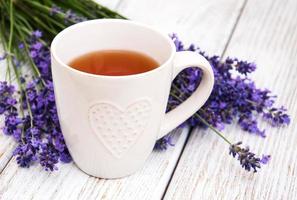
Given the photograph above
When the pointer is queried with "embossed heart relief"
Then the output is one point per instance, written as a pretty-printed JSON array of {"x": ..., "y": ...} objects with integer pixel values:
[{"x": 117, "y": 128}]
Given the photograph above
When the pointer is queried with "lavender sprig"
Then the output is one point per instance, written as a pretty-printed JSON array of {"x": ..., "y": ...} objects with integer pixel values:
[
  {"x": 164, "y": 143},
  {"x": 277, "y": 116},
  {"x": 234, "y": 98},
  {"x": 68, "y": 15},
  {"x": 247, "y": 159}
]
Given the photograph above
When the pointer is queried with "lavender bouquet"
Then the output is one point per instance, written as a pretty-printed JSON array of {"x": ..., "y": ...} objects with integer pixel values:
[{"x": 29, "y": 109}]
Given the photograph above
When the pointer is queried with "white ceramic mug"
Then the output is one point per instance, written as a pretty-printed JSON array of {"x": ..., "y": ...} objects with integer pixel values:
[{"x": 111, "y": 123}]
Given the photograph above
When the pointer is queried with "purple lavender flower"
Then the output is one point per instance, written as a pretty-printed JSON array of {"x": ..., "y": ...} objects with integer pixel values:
[
  {"x": 48, "y": 157},
  {"x": 178, "y": 44},
  {"x": 247, "y": 159},
  {"x": 21, "y": 45},
  {"x": 73, "y": 17},
  {"x": 25, "y": 155},
  {"x": 37, "y": 34},
  {"x": 7, "y": 107},
  {"x": 250, "y": 125},
  {"x": 33, "y": 53},
  {"x": 55, "y": 10},
  {"x": 42, "y": 140},
  {"x": 7, "y": 101},
  {"x": 65, "y": 157},
  {"x": 17, "y": 134},
  {"x": 69, "y": 16},
  {"x": 163, "y": 143},
  {"x": 245, "y": 67},
  {"x": 41, "y": 56},
  {"x": 265, "y": 159},
  {"x": 37, "y": 46},
  {"x": 277, "y": 117},
  {"x": 3, "y": 56}
]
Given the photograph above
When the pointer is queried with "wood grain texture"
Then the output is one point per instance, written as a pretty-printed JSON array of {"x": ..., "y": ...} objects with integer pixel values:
[
  {"x": 71, "y": 183},
  {"x": 6, "y": 147},
  {"x": 207, "y": 23},
  {"x": 267, "y": 34}
]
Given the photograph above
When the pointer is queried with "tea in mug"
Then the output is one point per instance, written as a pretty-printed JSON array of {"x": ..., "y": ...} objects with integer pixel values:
[{"x": 114, "y": 63}]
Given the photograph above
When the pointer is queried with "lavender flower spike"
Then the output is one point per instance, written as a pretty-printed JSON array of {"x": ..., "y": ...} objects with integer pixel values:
[
  {"x": 247, "y": 159},
  {"x": 163, "y": 143}
]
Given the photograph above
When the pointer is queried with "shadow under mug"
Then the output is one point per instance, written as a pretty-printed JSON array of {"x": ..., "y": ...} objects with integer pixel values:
[{"x": 111, "y": 123}]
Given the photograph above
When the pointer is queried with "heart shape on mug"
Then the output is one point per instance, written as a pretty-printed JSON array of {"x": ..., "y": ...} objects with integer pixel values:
[{"x": 117, "y": 128}]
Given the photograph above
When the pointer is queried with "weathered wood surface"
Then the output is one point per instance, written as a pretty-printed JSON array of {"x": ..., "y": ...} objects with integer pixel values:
[
  {"x": 263, "y": 31},
  {"x": 204, "y": 22},
  {"x": 267, "y": 34},
  {"x": 71, "y": 183}
]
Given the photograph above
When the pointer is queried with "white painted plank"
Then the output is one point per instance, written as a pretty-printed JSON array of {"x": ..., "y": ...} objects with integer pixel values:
[
  {"x": 204, "y": 22},
  {"x": 267, "y": 34},
  {"x": 71, "y": 183},
  {"x": 6, "y": 147}
]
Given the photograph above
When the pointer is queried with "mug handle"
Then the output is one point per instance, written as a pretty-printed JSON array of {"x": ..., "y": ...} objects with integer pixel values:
[{"x": 181, "y": 113}]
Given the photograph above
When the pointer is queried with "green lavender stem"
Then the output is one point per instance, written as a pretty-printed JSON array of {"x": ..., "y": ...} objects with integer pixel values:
[
  {"x": 47, "y": 10},
  {"x": 35, "y": 69},
  {"x": 10, "y": 39},
  {"x": 16, "y": 72},
  {"x": 202, "y": 119},
  {"x": 212, "y": 128}
]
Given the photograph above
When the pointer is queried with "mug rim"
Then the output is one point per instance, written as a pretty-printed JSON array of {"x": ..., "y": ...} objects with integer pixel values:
[{"x": 96, "y": 21}]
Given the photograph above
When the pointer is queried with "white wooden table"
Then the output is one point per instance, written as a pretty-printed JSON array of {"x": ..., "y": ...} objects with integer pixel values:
[{"x": 198, "y": 167}]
